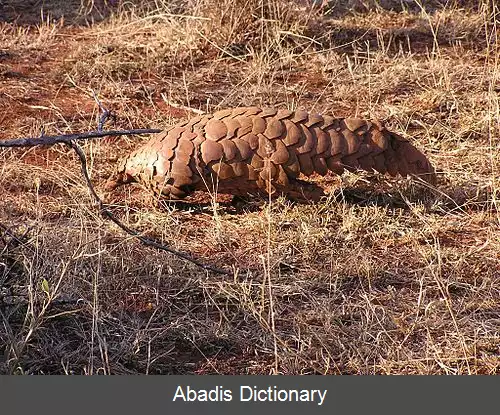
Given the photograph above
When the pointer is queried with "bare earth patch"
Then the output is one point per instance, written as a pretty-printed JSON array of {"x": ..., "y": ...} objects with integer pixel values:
[{"x": 383, "y": 277}]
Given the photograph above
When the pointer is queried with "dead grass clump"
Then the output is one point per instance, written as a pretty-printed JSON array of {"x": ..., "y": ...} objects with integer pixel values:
[{"x": 167, "y": 39}]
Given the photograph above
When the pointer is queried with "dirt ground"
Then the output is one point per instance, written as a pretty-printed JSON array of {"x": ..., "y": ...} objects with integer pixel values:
[{"x": 385, "y": 276}]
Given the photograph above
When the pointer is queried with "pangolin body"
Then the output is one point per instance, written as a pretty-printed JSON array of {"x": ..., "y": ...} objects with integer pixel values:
[{"x": 251, "y": 150}]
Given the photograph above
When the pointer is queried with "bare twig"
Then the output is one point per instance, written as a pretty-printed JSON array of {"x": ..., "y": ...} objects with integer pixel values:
[
  {"x": 145, "y": 240},
  {"x": 105, "y": 113},
  {"x": 68, "y": 138}
]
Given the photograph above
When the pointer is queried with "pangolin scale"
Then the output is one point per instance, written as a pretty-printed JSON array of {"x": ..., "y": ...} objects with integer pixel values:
[{"x": 250, "y": 150}]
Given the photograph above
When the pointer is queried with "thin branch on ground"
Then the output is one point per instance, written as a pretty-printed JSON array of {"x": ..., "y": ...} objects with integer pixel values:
[{"x": 68, "y": 138}]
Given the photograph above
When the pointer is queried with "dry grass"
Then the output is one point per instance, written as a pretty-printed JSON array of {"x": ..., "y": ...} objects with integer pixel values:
[{"x": 384, "y": 277}]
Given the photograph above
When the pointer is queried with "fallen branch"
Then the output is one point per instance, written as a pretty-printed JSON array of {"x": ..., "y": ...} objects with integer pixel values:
[{"x": 68, "y": 138}]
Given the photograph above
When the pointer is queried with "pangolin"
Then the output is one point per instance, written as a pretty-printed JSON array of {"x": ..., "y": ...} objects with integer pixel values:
[{"x": 251, "y": 150}]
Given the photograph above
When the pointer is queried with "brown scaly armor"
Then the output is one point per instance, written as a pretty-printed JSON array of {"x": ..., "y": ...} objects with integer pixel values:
[{"x": 252, "y": 150}]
